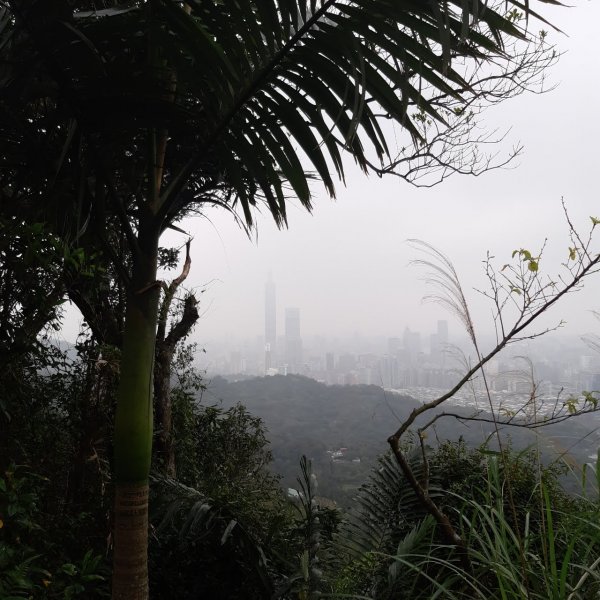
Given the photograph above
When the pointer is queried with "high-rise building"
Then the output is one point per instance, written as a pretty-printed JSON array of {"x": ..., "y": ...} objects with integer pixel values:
[
  {"x": 412, "y": 344},
  {"x": 268, "y": 357},
  {"x": 330, "y": 362},
  {"x": 270, "y": 324},
  {"x": 293, "y": 341}
]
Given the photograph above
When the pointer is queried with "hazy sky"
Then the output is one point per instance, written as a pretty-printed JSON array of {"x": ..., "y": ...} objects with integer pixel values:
[{"x": 346, "y": 264}]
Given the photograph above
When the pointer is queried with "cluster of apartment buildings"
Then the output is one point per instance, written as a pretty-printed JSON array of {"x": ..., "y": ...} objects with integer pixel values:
[{"x": 405, "y": 362}]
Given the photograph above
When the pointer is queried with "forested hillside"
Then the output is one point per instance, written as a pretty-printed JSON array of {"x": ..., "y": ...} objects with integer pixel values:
[{"x": 303, "y": 416}]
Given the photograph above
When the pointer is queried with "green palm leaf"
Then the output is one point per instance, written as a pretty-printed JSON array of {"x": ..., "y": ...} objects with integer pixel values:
[{"x": 327, "y": 73}]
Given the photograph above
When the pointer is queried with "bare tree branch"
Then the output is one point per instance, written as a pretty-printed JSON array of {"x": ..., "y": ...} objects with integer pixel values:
[{"x": 519, "y": 286}]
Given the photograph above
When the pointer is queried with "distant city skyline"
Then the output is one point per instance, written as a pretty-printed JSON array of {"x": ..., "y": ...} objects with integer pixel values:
[
  {"x": 558, "y": 365},
  {"x": 346, "y": 265}
]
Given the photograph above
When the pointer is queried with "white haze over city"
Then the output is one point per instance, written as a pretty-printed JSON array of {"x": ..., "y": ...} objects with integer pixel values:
[{"x": 346, "y": 265}]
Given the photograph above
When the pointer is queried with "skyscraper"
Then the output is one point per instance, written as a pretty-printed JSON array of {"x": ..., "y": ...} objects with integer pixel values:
[
  {"x": 293, "y": 341},
  {"x": 412, "y": 344},
  {"x": 270, "y": 324}
]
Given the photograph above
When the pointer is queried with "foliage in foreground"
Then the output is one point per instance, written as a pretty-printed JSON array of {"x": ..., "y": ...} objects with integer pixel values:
[
  {"x": 54, "y": 474},
  {"x": 55, "y": 483},
  {"x": 225, "y": 527},
  {"x": 215, "y": 524},
  {"x": 198, "y": 104},
  {"x": 526, "y": 537}
]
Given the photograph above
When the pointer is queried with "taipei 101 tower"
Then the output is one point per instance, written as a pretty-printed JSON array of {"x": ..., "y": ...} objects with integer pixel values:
[{"x": 270, "y": 324}]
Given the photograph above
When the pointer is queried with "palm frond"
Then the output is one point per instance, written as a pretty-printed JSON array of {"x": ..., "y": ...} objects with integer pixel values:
[
  {"x": 385, "y": 507},
  {"x": 193, "y": 515},
  {"x": 254, "y": 94}
]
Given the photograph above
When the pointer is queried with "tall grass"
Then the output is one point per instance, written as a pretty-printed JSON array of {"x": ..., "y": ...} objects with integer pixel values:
[{"x": 543, "y": 546}]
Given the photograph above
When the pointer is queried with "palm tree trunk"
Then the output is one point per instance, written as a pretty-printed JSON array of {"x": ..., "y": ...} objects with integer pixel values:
[{"x": 133, "y": 423}]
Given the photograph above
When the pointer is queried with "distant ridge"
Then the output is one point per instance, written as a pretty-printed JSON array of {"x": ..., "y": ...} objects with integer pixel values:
[{"x": 304, "y": 416}]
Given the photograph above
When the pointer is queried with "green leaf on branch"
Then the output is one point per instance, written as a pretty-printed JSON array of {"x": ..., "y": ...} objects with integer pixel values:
[
  {"x": 572, "y": 253},
  {"x": 533, "y": 265},
  {"x": 523, "y": 254},
  {"x": 69, "y": 569},
  {"x": 571, "y": 405},
  {"x": 590, "y": 398},
  {"x": 507, "y": 413}
]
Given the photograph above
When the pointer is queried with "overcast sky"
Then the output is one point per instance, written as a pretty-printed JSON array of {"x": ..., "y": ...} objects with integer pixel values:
[{"x": 346, "y": 264}]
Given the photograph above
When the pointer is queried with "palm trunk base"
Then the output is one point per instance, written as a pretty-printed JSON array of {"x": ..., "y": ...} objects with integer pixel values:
[{"x": 130, "y": 560}]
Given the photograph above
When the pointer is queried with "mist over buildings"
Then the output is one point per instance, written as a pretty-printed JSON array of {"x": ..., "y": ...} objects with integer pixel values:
[
  {"x": 346, "y": 267},
  {"x": 413, "y": 362}
]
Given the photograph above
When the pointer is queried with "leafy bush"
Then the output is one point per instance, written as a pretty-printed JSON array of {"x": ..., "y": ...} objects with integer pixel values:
[
  {"x": 219, "y": 527},
  {"x": 30, "y": 564},
  {"x": 526, "y": 537}
]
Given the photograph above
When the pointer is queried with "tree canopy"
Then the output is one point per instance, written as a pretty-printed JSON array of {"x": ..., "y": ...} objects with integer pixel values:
[
  {"x": 117, "y": 120},
  {"x": 255, "y": 96}
]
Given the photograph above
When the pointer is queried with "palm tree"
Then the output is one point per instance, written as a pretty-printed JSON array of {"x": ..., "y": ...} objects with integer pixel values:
[{"x": 127, "y": 115}]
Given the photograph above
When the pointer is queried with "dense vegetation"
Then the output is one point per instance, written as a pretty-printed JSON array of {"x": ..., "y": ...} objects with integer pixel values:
[
  {"x": 119, "y": 119},
  {"x": 304, "y": 416},
  {"x": 224, "y": 528}
]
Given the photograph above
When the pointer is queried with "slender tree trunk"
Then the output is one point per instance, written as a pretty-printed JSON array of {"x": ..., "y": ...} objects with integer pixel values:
[
  {"x": 165, "y": 351},
  {"x": 163, "y": 406},
  {"x": 133, "y": 422}
]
